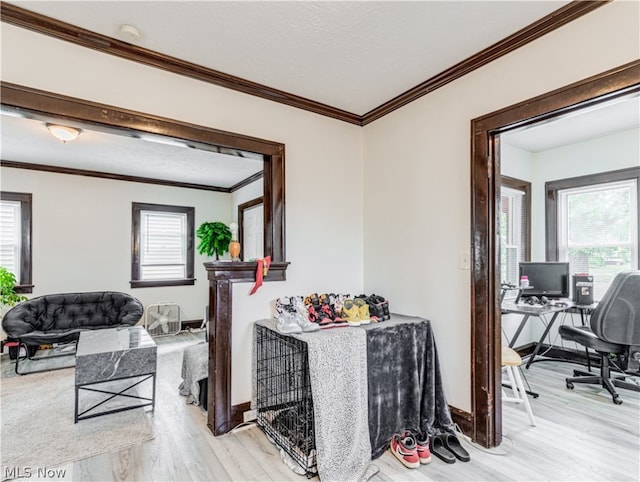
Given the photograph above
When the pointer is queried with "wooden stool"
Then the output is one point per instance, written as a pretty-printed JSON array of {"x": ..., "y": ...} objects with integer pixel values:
[{"x": 510, "y": 363}]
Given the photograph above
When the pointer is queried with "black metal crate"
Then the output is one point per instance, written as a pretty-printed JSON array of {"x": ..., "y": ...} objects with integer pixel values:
[{"x": 284, "y": 402}]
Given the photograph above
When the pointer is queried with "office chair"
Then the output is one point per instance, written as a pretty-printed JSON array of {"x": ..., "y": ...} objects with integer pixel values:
[{"x": 615, "y": 327}]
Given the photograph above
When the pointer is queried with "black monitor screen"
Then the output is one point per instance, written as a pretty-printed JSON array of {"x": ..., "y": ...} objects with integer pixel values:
[{"x": 550, "y": 279}]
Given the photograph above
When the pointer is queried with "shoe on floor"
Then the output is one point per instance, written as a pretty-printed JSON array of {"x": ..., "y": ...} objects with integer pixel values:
[
  {"x": 405, "y": 450},
  {"x": 287, "y": 323},
  {"x": 422, "y": 442}
]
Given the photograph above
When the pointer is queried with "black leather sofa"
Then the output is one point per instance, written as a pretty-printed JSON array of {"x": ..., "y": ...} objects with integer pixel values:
[{"x": 59, "y": 318}]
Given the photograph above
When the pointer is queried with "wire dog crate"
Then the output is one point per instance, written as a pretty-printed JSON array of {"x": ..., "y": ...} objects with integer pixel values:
[{"x": 284, "y": 403}]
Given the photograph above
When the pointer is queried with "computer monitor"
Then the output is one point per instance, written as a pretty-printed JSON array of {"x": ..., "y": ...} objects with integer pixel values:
[{"x": 550, "y": 279}]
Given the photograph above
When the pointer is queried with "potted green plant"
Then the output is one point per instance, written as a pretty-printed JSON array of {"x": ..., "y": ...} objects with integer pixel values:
[
  {"x": 214, "y": 238},
  {"x": 8, "y": 295}
]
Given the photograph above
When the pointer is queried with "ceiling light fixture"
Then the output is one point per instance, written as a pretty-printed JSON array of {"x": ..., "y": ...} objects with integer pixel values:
[{"x": 63, "y": 133}]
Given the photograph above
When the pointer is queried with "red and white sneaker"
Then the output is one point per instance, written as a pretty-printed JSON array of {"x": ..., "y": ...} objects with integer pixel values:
[
  {"x": 405, "y": 449},
  {"x": 422, "y": 442}
]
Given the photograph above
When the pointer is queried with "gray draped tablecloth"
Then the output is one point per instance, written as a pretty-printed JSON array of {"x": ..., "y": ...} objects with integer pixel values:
[{"x": 368, "y": 383}]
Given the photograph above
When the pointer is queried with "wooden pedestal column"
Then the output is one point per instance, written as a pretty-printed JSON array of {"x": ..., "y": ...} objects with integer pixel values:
[{"x": 221, "y": 415}]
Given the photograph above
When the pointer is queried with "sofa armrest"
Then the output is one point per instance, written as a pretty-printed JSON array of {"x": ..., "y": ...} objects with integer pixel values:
[
  {"x": 19, "y": 320},
  {"x": 131, "y": 312}
]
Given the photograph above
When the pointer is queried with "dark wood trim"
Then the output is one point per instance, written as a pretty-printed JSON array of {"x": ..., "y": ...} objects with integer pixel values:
[
  {"x": 136, "y": 209},
  {"x": 222, "y": 275},
  {"x": 524, "y": 186},
  {"x": 241, "y": 208},
  {"x": 26, "y": 266},
  {"x": 63, "y": 107},
  {"x": 485, "y": 312},
  {"x": 79, "y": 110},
  {"x": 247, "y": 181},
  {"x": 463, "y": 419},
  {"x": 551, "y": 201},
  {"x": 522, "y": 37},
  {"x": 109, "y": 175},
  {"x": 42, "y": 24},
  {"x": 237, "y": 412}
]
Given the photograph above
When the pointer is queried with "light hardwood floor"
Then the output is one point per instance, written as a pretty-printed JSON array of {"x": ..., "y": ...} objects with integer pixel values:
[{"x": 580, "y": 435}]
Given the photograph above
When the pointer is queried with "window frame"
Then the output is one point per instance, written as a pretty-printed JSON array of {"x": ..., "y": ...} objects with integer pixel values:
[
  {"x": 24, "y": 284},
  {"x": 136, "y": 235},
  {"x": 552, "y": 199},
  {"x": 524, "y": 186}
]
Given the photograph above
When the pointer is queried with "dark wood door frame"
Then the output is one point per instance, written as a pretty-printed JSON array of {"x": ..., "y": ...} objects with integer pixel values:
[{"x": 485, "y": 195}]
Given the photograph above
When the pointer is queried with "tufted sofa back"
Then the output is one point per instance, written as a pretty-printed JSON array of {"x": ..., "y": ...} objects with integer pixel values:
[{"x": 67, "y": 312}]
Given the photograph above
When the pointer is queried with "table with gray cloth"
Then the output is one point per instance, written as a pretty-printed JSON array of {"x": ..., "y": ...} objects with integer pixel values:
[{"x": 368, "y": 383}]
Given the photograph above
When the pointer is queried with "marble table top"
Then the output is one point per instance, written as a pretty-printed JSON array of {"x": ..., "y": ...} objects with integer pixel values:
[{"x": 114, "y": 354}]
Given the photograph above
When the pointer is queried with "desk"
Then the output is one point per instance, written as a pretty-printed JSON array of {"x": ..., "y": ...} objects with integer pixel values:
[{"x": 538, "y": 311}]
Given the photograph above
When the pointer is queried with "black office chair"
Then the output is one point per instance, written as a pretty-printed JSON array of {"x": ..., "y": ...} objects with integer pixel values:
[{"x": 615, "y": 327}]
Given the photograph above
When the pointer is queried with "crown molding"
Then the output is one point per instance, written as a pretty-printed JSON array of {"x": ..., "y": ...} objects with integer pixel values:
[
  {"x": 554, "y": 20},
  {"x": 42, "y": 24}
]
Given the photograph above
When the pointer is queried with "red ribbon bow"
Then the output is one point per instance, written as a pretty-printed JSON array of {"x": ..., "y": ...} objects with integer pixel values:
[{"x": 261, "y": 271}]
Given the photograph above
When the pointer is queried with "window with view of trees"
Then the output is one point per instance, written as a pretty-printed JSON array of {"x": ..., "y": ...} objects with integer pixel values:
[
  {"x": 596, "y": 224},
  {"x": 515, "y": 238}
]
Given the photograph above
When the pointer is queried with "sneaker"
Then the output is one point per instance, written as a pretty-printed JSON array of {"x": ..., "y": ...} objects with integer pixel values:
[
  {"x": 301, "y": 315},
  {"x": 422, "y": 443},
  {"x": 363, "y": 308},
  {"x": 351, "y": 313},
  {"x": 383, "y": 304},
  {"x": 405, "y": 450},
  {"x": 287, "y": 323}
]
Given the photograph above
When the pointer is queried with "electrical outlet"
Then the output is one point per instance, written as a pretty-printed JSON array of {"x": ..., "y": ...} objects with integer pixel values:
[{"x": 465, "y": 259}]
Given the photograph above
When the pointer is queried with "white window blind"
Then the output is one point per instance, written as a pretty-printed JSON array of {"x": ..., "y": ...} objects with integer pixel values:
[
  {"x": 163, "y": 250},
  {"x": 10, "y": 236},
  {"x": 597, "y": 230},
  {"x": 512, "y": 233}
]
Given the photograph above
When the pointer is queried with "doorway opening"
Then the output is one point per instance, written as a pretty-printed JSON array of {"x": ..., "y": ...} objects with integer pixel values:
[{"x": 485, "y": 222}]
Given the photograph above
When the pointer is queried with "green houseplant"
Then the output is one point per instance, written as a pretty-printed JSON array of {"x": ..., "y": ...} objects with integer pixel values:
[
  {"x": 8, "y": 295},
  {"x": 214, "y": 238}
]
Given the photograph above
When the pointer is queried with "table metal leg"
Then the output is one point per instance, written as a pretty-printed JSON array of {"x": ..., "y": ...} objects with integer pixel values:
[
  {"x": 518, "y": 331},
  {"x": 539, "y": 344}
]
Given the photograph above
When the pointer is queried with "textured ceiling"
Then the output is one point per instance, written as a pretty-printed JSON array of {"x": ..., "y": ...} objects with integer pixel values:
[{"x": 352, "y": 55}]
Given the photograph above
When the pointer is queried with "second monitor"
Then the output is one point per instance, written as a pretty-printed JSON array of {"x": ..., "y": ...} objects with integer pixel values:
[{"x": 550, "y": 279}]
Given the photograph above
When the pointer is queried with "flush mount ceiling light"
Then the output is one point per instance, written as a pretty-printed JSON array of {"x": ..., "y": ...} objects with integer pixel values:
[{"x": 63, "y": 133}]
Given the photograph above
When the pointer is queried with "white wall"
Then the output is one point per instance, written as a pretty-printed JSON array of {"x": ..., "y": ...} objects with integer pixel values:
[
  {"x": 81, "y": 237},
  {"x": 417, "y": 175},
  {"x": 323, "y": 165}
]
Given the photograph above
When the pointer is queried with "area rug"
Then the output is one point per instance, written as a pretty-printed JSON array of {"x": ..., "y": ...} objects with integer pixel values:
[{"x": 37, "y": 413}]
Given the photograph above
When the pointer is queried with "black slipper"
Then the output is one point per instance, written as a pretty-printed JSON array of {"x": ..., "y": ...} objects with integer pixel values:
[
  {"x": 438, "y": 449},
  {"x": 451, "y": 442}
]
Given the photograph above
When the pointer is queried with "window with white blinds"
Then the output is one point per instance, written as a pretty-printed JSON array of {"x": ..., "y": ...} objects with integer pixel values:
[
  {"x": 514, "y": 230},
  {"x": 10, "y": 236},
  {"x": 598, "y": 230},
  {"x": 15, "y": 237},
  {"x": 163, "y": 251},
  {"x": 162, "y": 245}
]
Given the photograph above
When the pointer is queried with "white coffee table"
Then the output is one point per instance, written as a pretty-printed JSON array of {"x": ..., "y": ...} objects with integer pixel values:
[{"x": 110, "y": 355}]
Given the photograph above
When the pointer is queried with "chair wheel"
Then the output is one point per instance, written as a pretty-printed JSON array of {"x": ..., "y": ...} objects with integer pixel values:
[
  {"x": 617, "y": 400},
  {"x": 570, "y": 385}
]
